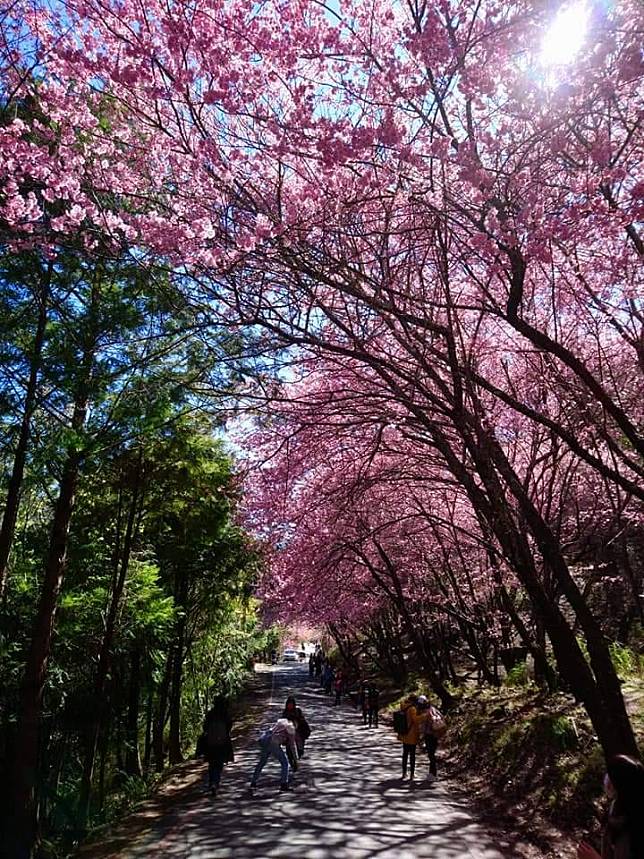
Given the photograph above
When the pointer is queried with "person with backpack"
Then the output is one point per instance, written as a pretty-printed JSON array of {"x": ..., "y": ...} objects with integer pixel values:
[
  {"x": 302, "y": 728},
  {"x": 435, "y": 728},
  {"x": 215, "y": 741},
  {"x": 373, "y": 704},
  {"x": 408, "y": 723},
  {"x": 271, "y": 742}
]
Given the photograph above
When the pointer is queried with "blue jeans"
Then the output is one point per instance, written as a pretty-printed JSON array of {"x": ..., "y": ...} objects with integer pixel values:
[{"x": 271, "y": 750}]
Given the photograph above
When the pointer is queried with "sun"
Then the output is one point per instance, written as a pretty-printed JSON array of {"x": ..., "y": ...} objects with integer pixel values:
[{"x": 566, "y": 35}]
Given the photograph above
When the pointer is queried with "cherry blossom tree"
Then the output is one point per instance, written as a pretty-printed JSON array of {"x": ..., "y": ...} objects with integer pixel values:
[{"x": 406, "y": 192}]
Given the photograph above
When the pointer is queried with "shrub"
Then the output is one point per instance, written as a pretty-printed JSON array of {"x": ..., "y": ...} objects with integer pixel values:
[
  {"x": 627, "y": 662},
  {"x": 517, "y": 676},
  {"x": 557, "y": 732}
]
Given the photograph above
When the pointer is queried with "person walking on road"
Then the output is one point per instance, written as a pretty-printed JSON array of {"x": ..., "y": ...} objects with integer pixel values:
[
  {"x": 373, "y": 705},
  {"x": 302, "y": 728},
  {"x": 218, "y": 747},
  {"x": 338, "y": 684},
  {"x": 281, "y": 734},
  {"x": 411, "y": 738},
  {"x": 434, "y": 728},
  {"x": 363, "y": 705},
  {"x": 329, "y": 678},
  {"x": 311, "y": 666}
]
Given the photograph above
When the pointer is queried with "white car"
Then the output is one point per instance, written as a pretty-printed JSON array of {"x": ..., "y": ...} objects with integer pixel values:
[{"x": 290, "y": 655}]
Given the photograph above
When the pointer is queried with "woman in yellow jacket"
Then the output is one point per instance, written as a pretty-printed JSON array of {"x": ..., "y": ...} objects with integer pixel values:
[{"x": 415, "y": 725}]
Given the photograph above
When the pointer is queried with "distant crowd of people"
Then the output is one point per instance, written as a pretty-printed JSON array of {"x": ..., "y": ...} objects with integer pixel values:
[
  {"x": 335, "y": 682},
  {"x": 417, "y": 724}
]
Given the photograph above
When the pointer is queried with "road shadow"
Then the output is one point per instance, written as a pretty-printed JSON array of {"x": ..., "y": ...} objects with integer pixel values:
[{"x": 348, "y": 801}]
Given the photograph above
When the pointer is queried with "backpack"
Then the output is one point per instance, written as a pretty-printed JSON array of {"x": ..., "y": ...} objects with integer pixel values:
[
  {"x": 304, "y": 729},
  {"x": 435, "y": 725},
  {"x": 400, "y": 722},
  {"x": 217, "y": 732}
]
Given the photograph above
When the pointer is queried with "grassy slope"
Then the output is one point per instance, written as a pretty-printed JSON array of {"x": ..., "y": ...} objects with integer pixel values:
[{"x": 533, "y": 761}]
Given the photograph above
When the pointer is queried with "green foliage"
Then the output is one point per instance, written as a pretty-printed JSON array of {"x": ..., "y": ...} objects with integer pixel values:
[
  {"x": 628, "y": 662},
  {"x": 508, "y": 742},
  {"x": 156, "y": 564},
  {"x": 556, "y": 731},
  {"x": 517, "y": 676},
  {"x": 268, "y": 639},
  {"x": 551, "y": 732}
]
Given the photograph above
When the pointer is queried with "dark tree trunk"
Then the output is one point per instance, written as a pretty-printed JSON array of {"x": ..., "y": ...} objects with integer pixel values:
[
  {"x": 12, "y": 502},
  {"x": 181, "y": 587},
  {"x": 634, "y": 581},
  {"x": 120, "y": 757},
  {"x": 596, "y": 685},
  {"x": 104, "y": 659},
  {"x": 389, "y": 656},
  {"x": 104, "y": 748},
  {"x": 544, "y": 674},
  {"x": 161, "y": 712},
  {"x": 398, "y": 597},
  {"x": 175, "y": 753},
  {"x": 133, "y": 758},
  {"x": 147, "y": 750},
  {"x": 22, "y": 821},
  {"x": 344, "y": 646}
]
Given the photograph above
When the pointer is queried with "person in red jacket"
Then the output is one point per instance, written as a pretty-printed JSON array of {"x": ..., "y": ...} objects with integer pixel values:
[{"x": 338, "y": 684}]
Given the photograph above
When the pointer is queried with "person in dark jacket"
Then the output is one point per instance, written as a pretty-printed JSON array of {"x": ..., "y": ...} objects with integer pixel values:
[
  {"x": 328, "y": 676},
  {"x": 217, "y": 745},
  {"x": 623, "y": 835},
  {"x": 373, "y": 705},
  {"x": 302, "y": 730},
  {"x": 338, "y": 685},
  {"x": 363, "y": 701}
]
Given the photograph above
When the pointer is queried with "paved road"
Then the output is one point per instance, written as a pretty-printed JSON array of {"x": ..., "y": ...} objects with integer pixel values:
[{"x": 348, "y": 803}]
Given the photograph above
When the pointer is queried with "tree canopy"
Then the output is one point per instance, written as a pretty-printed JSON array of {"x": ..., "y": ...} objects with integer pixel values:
[{"x": 405, "y": 239}]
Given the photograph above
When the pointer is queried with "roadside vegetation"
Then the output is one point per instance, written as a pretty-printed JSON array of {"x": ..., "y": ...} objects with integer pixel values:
[{"x": 528, "y": 758}]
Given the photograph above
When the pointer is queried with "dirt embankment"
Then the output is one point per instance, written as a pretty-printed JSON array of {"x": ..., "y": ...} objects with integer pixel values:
[{"x": 533, "y": 762}]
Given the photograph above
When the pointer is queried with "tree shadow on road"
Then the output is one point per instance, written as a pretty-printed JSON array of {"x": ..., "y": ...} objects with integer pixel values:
[{"x": 347, "y": 803}]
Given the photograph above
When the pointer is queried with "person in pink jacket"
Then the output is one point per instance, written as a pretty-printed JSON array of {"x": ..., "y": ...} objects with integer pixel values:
[{"x": 282, "y": 734}]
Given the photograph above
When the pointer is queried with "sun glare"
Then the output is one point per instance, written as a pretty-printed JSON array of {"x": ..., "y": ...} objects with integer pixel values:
[{"x": 566, "y": 35}]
